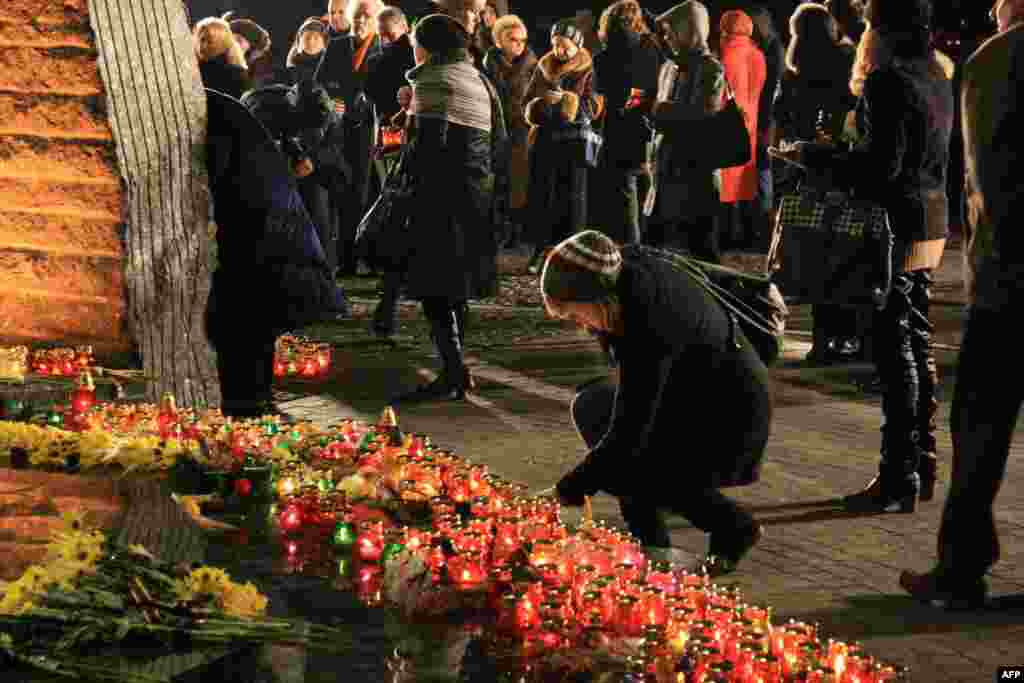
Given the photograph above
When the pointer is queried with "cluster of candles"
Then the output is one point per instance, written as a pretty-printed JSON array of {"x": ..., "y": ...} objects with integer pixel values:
[
  {"x": 13, "y": 363},
  {"x": 550, "y": 590},
  {"x": 298, "y": 356},
  {"x": 62, "y": 362}
]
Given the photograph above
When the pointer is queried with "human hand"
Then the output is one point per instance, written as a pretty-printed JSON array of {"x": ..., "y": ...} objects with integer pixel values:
[
  {"x": 552, "y": 97},
  {"x": 303, "y": 168},
  {"x": 404, "y": 96},
  {"x": 574, "y": 487},
  {"x": 339, "y": 106}
]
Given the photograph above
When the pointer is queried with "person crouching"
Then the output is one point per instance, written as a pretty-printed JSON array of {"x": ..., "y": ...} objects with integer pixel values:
[{"x": 691, "y": 411}]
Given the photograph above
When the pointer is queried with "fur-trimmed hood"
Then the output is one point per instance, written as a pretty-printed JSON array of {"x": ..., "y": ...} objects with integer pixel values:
[
  {"x": 212, "y": 38},
  {"x": 554, "y": 70}
]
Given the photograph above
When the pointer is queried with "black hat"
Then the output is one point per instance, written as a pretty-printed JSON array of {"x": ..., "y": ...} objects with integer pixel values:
[
  {"x": 440, "y": 34},
  {"x": 565, "y": 28}
]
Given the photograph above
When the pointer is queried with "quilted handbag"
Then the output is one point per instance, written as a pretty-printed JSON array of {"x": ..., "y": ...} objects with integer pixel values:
[{"x": 830, "y": 248}]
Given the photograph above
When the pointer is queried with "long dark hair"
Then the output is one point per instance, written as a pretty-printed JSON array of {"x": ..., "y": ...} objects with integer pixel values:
[
  {"x": 906, "y": 26},
  {"x": 813, "y": 37}
]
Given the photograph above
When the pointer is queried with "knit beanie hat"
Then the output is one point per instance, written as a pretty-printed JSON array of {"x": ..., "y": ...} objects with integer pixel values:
[
  {"x": 567, "y": 29},
  {"x": 583, "y": 268}
]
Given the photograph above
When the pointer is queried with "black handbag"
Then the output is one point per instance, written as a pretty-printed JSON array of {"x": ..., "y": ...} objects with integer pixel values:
[
  {"x": 721, "y": 140},
  {"x": 382, "y": 237}
]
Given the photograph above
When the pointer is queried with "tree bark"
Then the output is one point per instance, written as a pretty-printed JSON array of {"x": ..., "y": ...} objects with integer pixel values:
[{"x": 157, "y": 111}]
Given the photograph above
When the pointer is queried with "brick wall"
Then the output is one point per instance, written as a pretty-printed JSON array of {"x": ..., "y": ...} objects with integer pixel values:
[{"x": 61, "y": 255}]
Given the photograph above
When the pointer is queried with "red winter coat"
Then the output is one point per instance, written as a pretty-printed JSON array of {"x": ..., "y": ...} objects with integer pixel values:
[{"x": 746, "y": 72}]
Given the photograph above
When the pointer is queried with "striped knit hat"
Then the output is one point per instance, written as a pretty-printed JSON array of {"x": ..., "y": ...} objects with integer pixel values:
[{"x": 583, "y": 268}]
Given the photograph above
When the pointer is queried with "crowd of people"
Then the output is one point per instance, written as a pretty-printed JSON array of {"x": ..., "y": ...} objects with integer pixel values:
[{"x": 508, "y": 148}]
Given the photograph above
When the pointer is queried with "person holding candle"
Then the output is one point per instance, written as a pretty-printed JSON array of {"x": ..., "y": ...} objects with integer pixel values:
[{"x": 683, "y": 364}]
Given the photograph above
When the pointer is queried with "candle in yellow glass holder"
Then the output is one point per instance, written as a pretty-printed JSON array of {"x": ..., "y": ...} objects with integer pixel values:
[{"x": 13, "y": 363}]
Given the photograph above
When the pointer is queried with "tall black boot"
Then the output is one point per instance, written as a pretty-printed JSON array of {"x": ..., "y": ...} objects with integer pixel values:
[
  {"x": 461, "y": 316},
  {"x": 927, "y": 381},
  {"x": 897, "y": 485},
  {"x": 450, "y": 384}
]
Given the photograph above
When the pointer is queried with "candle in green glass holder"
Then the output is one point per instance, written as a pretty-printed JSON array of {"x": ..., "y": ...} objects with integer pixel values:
[{"x": 344, "y": 535}]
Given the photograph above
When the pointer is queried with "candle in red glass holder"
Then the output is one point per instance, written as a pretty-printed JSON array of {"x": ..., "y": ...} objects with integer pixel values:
[
  {"x": 466, "y": 571},
  {"x": 459, "y": 490},
  {"x": 370, "y": 585},
  {"x": 767, "y": 669},
  {"x": 290, "y": 519},
  {"x": 553, "y": 609},
  {"x": 793, "y": 638},
  {"x": 549, "y": 636},
  {"x": 859, "y": 669},
  {"x": 652, "y": 608},
  {"x": 628, "y": 617},
  {"x": 836, "y": 657},
  {"x": 585, "y": 575},
  {"x": 748, "y": 652},
  {"x": 627, "y": 572},
  {"x": 370, "y": 542},
  {"x": 761, "y": 616},
  {"x": 84, "y": 396},
  {"x": 527, "y": 613},
  {"x": 629, "y": 553},
  {"x": 543, "y": 552},
  {"x": 507, "y": 540},
  {"x": 822, "y": 674},
  {"x": 415, "y": 539},
  {"x": 167, "y": 417},
  {"x": 660, "y": 575}
]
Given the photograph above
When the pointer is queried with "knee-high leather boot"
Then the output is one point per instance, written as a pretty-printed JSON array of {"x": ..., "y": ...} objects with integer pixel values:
[
  {"x": 897, "y": 485},
  {"x": 927, "y": 381},
  {"x": 461, "y": 316}
]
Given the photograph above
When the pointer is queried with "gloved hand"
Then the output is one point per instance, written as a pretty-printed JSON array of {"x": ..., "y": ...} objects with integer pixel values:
[{"x": 577, "y": 484}]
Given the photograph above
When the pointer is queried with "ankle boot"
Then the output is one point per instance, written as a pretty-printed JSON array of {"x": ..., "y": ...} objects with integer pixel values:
[{"x": 897, "y": 486}]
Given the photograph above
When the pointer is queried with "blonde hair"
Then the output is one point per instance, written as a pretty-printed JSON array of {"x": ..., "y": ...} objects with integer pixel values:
[
  {"x": 627, "y": 14},
  {"x": 872, "y": 54},
  {"x": 504, "y": 24},
  {"x": 212, "y": 38}
]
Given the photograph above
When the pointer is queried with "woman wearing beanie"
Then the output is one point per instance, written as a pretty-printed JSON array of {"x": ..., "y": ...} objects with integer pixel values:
[
  {"x": 687, "y": 375},
  {"x": 455, "y": 125},
  {"x": 307, "y": 52},
  {"x": 905, "y": 118},
  {"x": 561, "y": 91}
]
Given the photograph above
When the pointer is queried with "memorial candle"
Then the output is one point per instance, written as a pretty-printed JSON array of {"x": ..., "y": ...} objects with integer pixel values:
[{"x": 370, "y": 543}]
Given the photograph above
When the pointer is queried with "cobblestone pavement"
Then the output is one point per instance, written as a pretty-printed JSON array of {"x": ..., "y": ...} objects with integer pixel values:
[{"x": 815, "y": 563}]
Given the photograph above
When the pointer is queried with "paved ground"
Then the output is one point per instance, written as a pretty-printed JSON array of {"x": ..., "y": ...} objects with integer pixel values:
[{"x": 815, "y": 562}]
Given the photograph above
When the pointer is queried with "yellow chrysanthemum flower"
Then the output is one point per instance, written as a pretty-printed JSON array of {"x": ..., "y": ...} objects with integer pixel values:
[
  {"x": 75, "y": 520},
  {"x": 244, "y": 601}
]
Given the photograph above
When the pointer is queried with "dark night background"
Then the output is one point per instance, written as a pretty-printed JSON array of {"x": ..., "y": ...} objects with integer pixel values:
[{"x": 282, "y": 17}]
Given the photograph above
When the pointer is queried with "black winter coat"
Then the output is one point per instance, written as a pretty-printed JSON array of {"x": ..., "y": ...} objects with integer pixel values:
[
  {"x": 821, "y": 87},
  {"x": 512, "y": 81},
  {"x": 230, "y": 79},
  {"x": 386, "y": 75},
  {"x": 901, "y": 163},
  {"x": 627, "y": 62},
  {"x": 453, "y": 237},
  {"x": 691, "y": 411},
  {"x": 272, "y": 273}
]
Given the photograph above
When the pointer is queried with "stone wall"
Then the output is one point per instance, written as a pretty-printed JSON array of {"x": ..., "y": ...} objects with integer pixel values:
[{"x": 61, "y": 198}]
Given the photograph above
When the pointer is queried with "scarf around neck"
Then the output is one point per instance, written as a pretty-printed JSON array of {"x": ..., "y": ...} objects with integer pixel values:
[
  {"x": 360, "y": 54},
  {"x": 453, "y": 91}
]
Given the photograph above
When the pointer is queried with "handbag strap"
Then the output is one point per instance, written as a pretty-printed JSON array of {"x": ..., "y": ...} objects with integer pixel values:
[{"x": 730, "y": 302}]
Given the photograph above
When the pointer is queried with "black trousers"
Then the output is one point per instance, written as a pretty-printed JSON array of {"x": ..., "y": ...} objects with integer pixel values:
[
  {"x": 906, "y": 366},
  {"x": 619, "y": 204},
  {"x": 696, "y": 235},
  {"x": 986, "y": 404},
  {"x": 385, "y": 316},
  {"x": 708, "y": 509}
]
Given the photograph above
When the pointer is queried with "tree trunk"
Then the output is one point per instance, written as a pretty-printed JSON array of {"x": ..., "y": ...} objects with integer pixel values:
[{"x": 157, "y": 111}]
